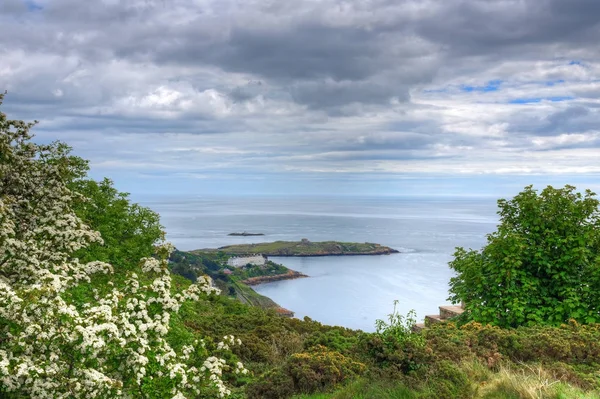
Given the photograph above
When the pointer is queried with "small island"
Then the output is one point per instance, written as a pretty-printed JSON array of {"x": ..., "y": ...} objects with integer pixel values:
[
  {"x": 304, "y": 248},
  {"x": 245, "y": 234}
]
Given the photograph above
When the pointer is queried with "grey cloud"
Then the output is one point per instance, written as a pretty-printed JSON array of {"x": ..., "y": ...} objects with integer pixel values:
[
  {"x": 302, "y": 52},
  {"x": 13, "y": 7},
  {"x": 572, "y": 119},
  {"x": 485, "y": 27},
  {"x": 286, "y": 81},
  {"x": 247, "y": 92},
  {"x": 326, "y": 94}
]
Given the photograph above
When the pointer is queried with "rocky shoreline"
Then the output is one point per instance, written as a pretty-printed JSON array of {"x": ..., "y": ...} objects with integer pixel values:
[{"x": 290, "y": 275}]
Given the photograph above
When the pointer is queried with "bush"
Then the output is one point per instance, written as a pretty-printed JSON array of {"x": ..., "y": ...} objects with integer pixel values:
[
  {"x": 316, "y": 370},
  {"x": 540, "y": 267},
  {"x": 571, "y": 350},
  {"x": 395, "y": 345}
]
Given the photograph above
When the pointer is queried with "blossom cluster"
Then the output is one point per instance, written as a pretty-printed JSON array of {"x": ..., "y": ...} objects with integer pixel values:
[{"x": 115, "y": 344}]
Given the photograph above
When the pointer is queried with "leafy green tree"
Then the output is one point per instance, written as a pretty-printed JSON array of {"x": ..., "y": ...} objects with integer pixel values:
[
  {"x": 129, "y": 231},
  {"x": 542, "y": 265}
]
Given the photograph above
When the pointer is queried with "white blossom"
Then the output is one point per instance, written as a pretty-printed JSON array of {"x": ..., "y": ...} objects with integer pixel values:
[{"x": 100, "y": 349}]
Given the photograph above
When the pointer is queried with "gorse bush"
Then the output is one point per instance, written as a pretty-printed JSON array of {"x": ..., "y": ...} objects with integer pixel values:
[
  {"x": 319, "y": 369},
  {"x": 571, "y": 350},
  {"x": 115, "y": 344}
]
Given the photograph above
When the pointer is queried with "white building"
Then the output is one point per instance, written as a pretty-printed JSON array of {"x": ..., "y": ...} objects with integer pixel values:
[{"x": 239, "y": 261}]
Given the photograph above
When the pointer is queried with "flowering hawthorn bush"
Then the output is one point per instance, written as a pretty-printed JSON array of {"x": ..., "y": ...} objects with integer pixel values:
[{"x": 112, "y": 346}]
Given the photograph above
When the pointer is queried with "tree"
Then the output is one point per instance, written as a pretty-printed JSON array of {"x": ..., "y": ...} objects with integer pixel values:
[
  {"x": 542, "y": 265},
  {"x": 115, "y": 345},
  {"x": 129, "y": 231}
]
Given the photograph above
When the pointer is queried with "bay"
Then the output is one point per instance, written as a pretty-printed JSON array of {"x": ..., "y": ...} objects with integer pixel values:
[{"x": 351, "y": 291}]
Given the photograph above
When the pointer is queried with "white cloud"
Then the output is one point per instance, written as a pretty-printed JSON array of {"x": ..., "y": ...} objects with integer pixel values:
[{"x": 206, "y": 88}]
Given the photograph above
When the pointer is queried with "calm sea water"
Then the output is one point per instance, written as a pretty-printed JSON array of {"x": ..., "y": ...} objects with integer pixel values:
[{"x": 348, "y": 291}]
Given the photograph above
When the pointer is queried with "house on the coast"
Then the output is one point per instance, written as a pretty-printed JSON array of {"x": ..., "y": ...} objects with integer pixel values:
[
  {"x": 240, "y": 261},
  {"x": 227, "y": 271}
]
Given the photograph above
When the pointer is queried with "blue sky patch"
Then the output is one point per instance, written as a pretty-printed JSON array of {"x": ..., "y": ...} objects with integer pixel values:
[
  {"x": 492, "y": 85},
  {"x": 540, "y": 99},
  {"x": 32, "y": 6},
  {"x": 436, "y": 91}
]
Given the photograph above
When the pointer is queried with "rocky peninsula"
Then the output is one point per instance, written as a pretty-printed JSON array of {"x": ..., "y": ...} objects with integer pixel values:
[
  {"x": 304, "y": 248},
  {"x": 290, "y": 275}
]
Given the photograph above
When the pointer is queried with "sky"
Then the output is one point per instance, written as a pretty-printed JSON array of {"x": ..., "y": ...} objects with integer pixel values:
[{"x": 305, "y": 97}]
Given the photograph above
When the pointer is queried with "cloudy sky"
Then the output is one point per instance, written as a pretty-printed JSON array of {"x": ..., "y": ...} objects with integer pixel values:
[{"x": 383, "y": 97}]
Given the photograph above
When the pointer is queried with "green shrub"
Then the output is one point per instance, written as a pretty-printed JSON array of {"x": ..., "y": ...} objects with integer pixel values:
[
  {"x": 572, "y": 351},
  {"x": 539, "y": 267},
  {"x": 316, "y": 370},
  {"x": 396, "y": 346}
]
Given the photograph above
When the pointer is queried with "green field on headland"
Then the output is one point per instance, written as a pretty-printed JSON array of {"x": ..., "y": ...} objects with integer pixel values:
[
  {"x": 304, "y": 248},
  {"x": 233, "y": 281}
]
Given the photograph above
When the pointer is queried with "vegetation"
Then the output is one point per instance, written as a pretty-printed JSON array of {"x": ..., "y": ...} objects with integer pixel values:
[
  {"x": 234, "y": 284},
  {"x": 129, "y": 231},
  {"x": 66, "y": 328},
  {"x": 268, "y": 269},
  {"x": 191, "y": 265},
  {"x": 304, "y": 248},
  {"x": 73, "y": 327},
  {"x": 542, "y": 266}
]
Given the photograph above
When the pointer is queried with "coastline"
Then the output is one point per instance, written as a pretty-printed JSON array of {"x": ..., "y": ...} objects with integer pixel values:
[
  {"x": 301, "y": 248},
  {"x": 290, "y": 275},
  {"x": 386, "y": 252}
]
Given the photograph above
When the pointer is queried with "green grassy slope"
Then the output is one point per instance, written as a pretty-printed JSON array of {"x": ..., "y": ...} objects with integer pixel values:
[{"x": 303, "y": 248}]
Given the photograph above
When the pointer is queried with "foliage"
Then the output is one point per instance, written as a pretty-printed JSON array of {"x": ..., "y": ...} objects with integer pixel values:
[
  {"x": 528, "y": 382},
  {"x": 128, "y": 230},
  {"x": 395, "y": 345},
  {"x": 205, "y": 261},
  {"x": 571, "y": 350},
  {"x": 268, "y": 269},
  {"x": 399, "y": 328},
  {"x": 116, "y": 345},
  {"x": 337, "y": 338},
  {"x": 542, "y": 265},
  {"x": 316, "y": 370}
]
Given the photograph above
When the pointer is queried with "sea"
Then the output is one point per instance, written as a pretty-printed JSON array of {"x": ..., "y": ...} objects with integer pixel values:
[{"x": 349, "y": 291}]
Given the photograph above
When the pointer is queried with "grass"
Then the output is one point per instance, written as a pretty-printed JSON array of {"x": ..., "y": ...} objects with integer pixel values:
[
  {"x": 530, "y": 382},
  {"x": 303, "y": 248},
  {"x": 364, "y": 389},
  {"x": 250, "y": 297},
  {"x": 526, "y": 382}
]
